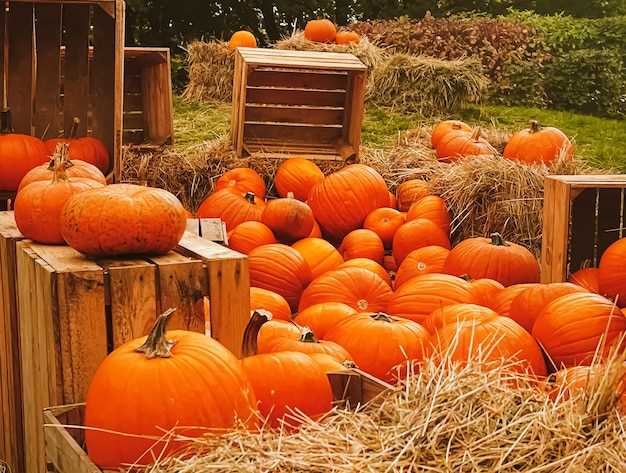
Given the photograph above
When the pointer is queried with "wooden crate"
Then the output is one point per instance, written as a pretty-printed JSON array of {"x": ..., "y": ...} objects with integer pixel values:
[
  {"x": 289, "y": 103},
  {"x": 65, "y": 455},
  {"x": 582, "y": 217},
  {"x": 213, "y": 229}
]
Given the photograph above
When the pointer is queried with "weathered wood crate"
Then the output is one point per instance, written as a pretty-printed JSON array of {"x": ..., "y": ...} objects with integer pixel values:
[
  {"x": 65, "y": 455},
  {"x": 582, "y": 217},
  {"x": 301, "y": 103},
  {"x": 213, "y": 229}
]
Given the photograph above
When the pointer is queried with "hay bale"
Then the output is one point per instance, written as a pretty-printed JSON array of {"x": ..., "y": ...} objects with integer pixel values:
[
  {"x": 426, "y": 85},
  {"x": 211, "y": 69}
]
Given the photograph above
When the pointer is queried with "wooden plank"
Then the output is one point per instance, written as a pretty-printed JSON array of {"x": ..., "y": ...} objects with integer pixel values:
[
  {"x": 292, "y": 132},
  {"x": 134, "y": 121},
  {"x": 236, "y": 105},
  {"x": 583, "y": 241},
  {"x": 286, "y": 96},
  {"x": 308, "y": 59},
  {"x": 299, "y": 79},
  {"x": 556, "y": 218},
  {"x": 158, "y": 102},
  {"x": 133, "y": 102},
  {"x": 213, "y": 229},
  {"x": 21, "y": 67},
  {"x": 295, "y": 114},
  {"x": 356, "y": 107},
  {"x": 241, "y": 114},
  {"x": 609, "y": 218},
  {"x": 118, "y": 98}
]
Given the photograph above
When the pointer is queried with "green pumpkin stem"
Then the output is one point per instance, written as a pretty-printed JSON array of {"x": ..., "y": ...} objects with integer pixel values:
[
  {"x": 157, "y": 345},
  {"x": 258, "y": 318},
  {"x": 497, "y": 240},
  {"x": 534, "y": 126},
  {"x": 382, "y": 317}
]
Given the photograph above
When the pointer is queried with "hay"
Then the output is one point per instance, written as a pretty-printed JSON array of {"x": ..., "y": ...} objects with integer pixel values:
[
  {"x": 426, "y": 85},
  {"x": 211, "y": 70}
]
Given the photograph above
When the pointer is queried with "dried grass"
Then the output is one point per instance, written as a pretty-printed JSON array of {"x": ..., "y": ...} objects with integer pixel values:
[{"x": 211, "y": 70}]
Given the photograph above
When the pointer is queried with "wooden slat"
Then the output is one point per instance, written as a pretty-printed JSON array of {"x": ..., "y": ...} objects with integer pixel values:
[
  {"x": 308, "y": 59},
  {"x": 304, "y": 134},
  {"x": 134, "y": 136},
  {"x": 21, "y": 67},
  {"x": 285, "y": 96},
  {"x": 301, "y": 80},
  {"x": 134, "y": 121},
  {"x": 237, "y": 105},
  {"x": 133, "y": 102},
  {"x": 355, "y": 111},
  {"x": 132, "y": 78},
  {"x": 295, "y": 114},
  {"x": 609, "y": 218},
  {"x": 583, "y": 230},
  {"x": 157, "y": 99},
  {"x": 555, "y": 231},
  {"x": 118, "y": 97}
]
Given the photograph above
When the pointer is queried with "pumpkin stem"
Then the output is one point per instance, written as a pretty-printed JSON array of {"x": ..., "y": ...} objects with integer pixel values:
[
  {"x": 497, "y": 240},
  {"x": 257, "y": 320},
  {"x": 250, "y": 197},
  {"x": 307, "y": 335},
  {"x": 58, "y": 162},
  {"x": 6, "y": 125},
  {"x": 74, "y": 129},
  {"x": 382, "y": 317},
  {"x": 534, "y": 126},
  {"x": 290, "y": 195},
  {"x": 466, "y": 277},
  {"x": 157, "y": 345}
]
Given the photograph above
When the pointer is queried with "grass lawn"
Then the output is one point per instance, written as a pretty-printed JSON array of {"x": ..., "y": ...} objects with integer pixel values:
[{"x": 600, "y": 141}]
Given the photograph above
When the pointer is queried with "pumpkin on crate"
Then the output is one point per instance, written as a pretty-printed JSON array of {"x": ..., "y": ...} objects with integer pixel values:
[
  {"x": 321, "y": 31},
  {"x": 244, "y": 180},
  {"x": 539, "y": 145},
  {"x": 320, "y": 255},
  {"x": 362, "y": 244},
  {"x": 451, "y": 314},
  {"x": 455, "y": 146},
  {"x": 275, "y": 304},
  {"x": 123, "y": 219},
  {"x": 347, "y": 37},
  {"x": 370, "y": 265},
  {"x": 288, "y": 218},
  {"x": 448, "y": 126},
  {"x": 384, "y": 222},
  {"x": 432, "y": 208},
  {"x": 73, "y": 169},
  {"x": 158, "y": 383},
  {"x": 589, "y": 278},
  {"x": 18, "y": 155},
  {"x": 410, "y": 192},
  {"x": 298, "y": 176},
  {"x": 320, "y": 318},
  {"x": 430, "y": 259},
  {"x": 231, "y": 207},
  {"x": 612, "y": 273},
  {"x": 247, "y": 236},
  {"x": 242, "y": 39},
  {"x": 417, "y": 234}
]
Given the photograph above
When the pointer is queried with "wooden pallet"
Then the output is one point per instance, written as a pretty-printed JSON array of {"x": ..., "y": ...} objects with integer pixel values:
[
  {"x": 582, "y": 217},
  {"x": 303, "y": 103}
]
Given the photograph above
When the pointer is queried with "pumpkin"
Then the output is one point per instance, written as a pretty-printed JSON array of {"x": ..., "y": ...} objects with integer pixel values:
[
  {"x": 309, "y": 344},
  {"x": 381, "y": 345},
  {"x": 263, "y": 329},
  {"x": 419, "y": 297},
  {"x": 370, "y": 265},
  {"x": 588, "y": 278},
  {"x": 454, "y": 146},
  {"x": 448, "y": 126},
  {"x": 451, "y": 314},
  {"x": 307, "y": 391},
  {"x": 417, "y": 234},
  {"x": 503, "y": 300},
  {"x": 410, "y": 192},
  {"x": 497, "y": 259},
  {"x": 88, "y": 149},
  {"x": 347, "y": 37},
  {"x": 18, "y": 155},
  {"x": 317, "y": 231},
  {"x": 359, "y": 288},
  {"x": 389, "y": 263},
  {"x": 432, "y": 208},
  {"x": 485, "y": 291},
  {"x": 244, "y": 180},
  {"x": 288, "y": 218},
  {"x": 362, "y": 244},
  {"x": 527, "y": 306},
  {"x": 123, "y": 219},
  {"x": 613, "y": 272},
  {"x": 538, "y": 144},
  {"x": 247, "y": 236},
  {"x": 319, "y": 255},
  {"x": 73, "y": 169},
  {"x": 320, "y": 318},
  {"x": 343, "y": 200},
  {"x": 231, "y": 208},
  {"x": 298, "y": 176},
  {"x": 573, "y": 327},
  {"x": 280, "y": 269},
  {"x": 430, "y": 259},
  {"x": 321, "y": 31},
  {"x": 242, "y": 39},
  {"x": 177, "y": 379},
  {"x": 271, "y": 302},
  {"x": 384, "y": 222},
  {"x": 329, "y": 364},
  {"x": 393, "y": 201}
]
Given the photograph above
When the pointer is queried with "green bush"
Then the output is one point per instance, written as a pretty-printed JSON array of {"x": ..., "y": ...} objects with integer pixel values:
[{"x": 520, "y": 83}]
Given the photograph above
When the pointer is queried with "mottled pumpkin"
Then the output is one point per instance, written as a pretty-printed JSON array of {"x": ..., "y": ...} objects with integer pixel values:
[
  {"x": 18, "y": 155},
  {"x": 321, "y": 31},
  {"x": 384, "y": 222},
  {"x": 447, "y": 126},
  {"x": 362, "y": 244},
  {"x": 370, "y": 265},
  {"x": 417, "y": 234},
  {"x": 613, "y": 272},
  {"x": 589, "y": 278},
  {"x": 247, "y": 236},
  {"x": 73, "y": 169},
  {"x": 320, "y": 318},
  {"x": 271, "y": 302},
  {"x": 231, "y": 207},
  {"x": 537, "y": 145},
  {"x": 288, "y": 218},
  {"x": 298, "y": 176},
  {"x": 432, "y": 208},
  {"x": 244, "y": 180},
  {"x": 320, "y": 255},
  {"x": 430, "y": 259},
  {"x": 410, "y": 192}
]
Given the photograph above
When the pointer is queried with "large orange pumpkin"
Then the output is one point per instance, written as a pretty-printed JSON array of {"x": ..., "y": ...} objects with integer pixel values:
[
  {"x": 537, "y": 145},
  {"x": 262, "y": 330},
  {"x": 432, "y": 208},
  {"x": 357, "y": 287},
  {"x": 297, "y": 175},
  {"x": 322, "y": 31},
  {"x": 271, "y": 302},
  {"x": 410, "y": 192},
  {"x": 175, "y": 380},
  {"x": 88, "y": 149},
  {"x": 280, "y": 269},
  {"x": 330, "y": 364},
  {"x": 76, "y": 168},
  {"x": 320, "y": 318},
  {"x": 497, "y": 259},
  {"x": 18, "y": 155},
  {"x": 307, "y": 343},
  {"x": 347, "y": 37},
  {"x": 343, "y": 200},
  {"x": 288, "y": 218},
  {"x": 320, "y": 255},
  {"x": 455, "y": 146},
  {"x": 613, "y": 272},
  {"x": 370, "y": 265},
  {"x": 504, "y": 298},
  {"x": 589, "y": 278},
  {"x": 123, "y": 219},
  {"x": 242, "y": 39},
  {"x": 573, "y": 327},
  {"x": 451, "y": 314},
  {"x": 417, "y": 234},
  {"x": 231, "y": 207},
  {"x": 384, "y": 222},
  {"x": 430, "y": 259},
  {"x": 246, "y": 236},
  {"x": 362, "y": 244},
  {"x": 448, "y": 126},
  {"x": 244, "y": 180}
]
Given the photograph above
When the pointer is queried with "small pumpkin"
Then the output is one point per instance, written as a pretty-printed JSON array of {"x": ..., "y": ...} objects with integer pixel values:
[
  {"x": 417, "y": 234},
  {"x": 370, "y": 265},
  {"x": 18, "y": 155},
  {"x": 384, "y": 222},
  {"x": 448, "y": 126},
  {"x": 288, "y": 218},
  {"x": 242, "y": 39},
  {"x": 362, "y": 244},
  {"x": 430, "y": 259},
  {"x": 263, "y": 329},
  {"x": 455, "y": 146},
  {"x": 73, "y": 169},
  {"x": 320, "y": 318},
  {"x": 231, "y": 207},
  {"x": 244, "y": 180},
  {"x": 298, "y": 176},
  {"x": 247, "y": 236},
  {"x": 320, "y": 255},
  {"x": 88, "y": 149},
  {"x": 451, "y": 314},
  {"x": 589, "y": 278},
  {"x": 410, "y": 192},
  {"x": 432, "y": 208},
  {"x": 275, "y": 304},
  {"x": 347, "y": 37},
  {"x": 612, "y": 273},
  {"x": 321, "y": 31},
  {"x": 538, "y": 144}
]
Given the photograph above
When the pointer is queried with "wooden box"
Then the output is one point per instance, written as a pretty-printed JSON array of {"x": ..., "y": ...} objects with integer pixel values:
[
  {"x": 582, "y": 217},
  {"x": 289, "y": 103},
  {"x": 213, "y": 229}
]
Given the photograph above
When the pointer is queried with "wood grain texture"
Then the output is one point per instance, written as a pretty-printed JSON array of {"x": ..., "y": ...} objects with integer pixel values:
[
  {"x": 556, "y": 218},
  {"x": 157, "y": 96},
  {"x": 21, "y": 67}
]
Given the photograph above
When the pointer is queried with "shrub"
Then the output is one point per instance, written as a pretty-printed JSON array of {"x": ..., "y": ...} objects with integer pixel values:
[{"x": 521, "y": 83}]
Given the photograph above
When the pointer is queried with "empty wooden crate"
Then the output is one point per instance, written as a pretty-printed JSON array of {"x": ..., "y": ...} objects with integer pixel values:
[
  {"x": 301, "y": 103},
  {"x": 582, "y": 217}
]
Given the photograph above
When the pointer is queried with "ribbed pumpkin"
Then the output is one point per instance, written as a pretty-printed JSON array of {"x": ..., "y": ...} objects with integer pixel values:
[
  {"x": 571, "y": 327},
  {"x": 343, "y": 200},
  {"x": 18, "y": 155},
  {"x": 419, "y": 297},
  {"x": 299, "y": 176},
  {"x": 320, "y": 255},
  {"x": 430, "y": 259},
  {"x": 527, "y": 306},
  {"x": 262, "y": 330},
  {"x": 362, "y": 244},
  {"x": 448, "y": 126},
  {"x": 316, "y": 232},
  {"x": 485, "y": 291},
  {"x": 242, "y": 39},
  {"x": 329, "y": 364},
  {"x": 231, "y": 207},
  {"x": 280, "y": 269},
  {"x": 357, "y": 287},
  {"x": 455, "y": 146},
  {"x": 382, "y": 345},
  {"x": 410, "y": 192},
  {"x": 308, "y": 343},
  {"x": 432, "y": 208},
  {"x": 123, "y": 219},
  {"x": 271, "y": 302},
  {"x": 613, "y": 272},
  {"x": 151, "y": 385},
  {"x": 347, "y": 37},
  {"x": 384, "y": 222},
  {"x": 320, "y": 318},
  {"x": 501, "y": 303},
  {"x": 88, "y": 149},
  {"x": 497, "y": 259},
  {"x": 321, "y": 31},
  {"x": 370, "y": 265},
  {"x": 589, "y": 278},
  {"x": 417, "y": 234},
  {"x": 537, "y": 145},
  {"x": 244, "y": 180},
  {"x": 288, "y": 218},
  {"x": 247, "y": 236},
  {"x": 451, "y": 314},
  {"x": 73, "y": 169}
]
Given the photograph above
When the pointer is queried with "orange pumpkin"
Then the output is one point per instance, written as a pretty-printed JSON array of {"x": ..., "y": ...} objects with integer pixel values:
[
  {"x": 613, "y": 272},
  {"x": 410, "y": 192},
  {"x": 320, "y": 255},
  {"x": 328, "y": 363},
  {"x": 455, "y": 146},
  {"x": 317, "y": 231},
  {"x": 384, "y": 222},
  {"x": 570, "y": 382},
  {"x": 231, "y": 207},
  {"x": 502, "y": 302},
  {"x": 359, "y": 288},
  {"x": 362, "y": 244},
  {"x": 271, "y": 302},
  {"x": 347, "y": 37},
  {"x": 244, "y": 180},
  {"x": 485, "y": 291},
  {"x": 123, "y": 219},
  {"x": 448, "y": 126},
  {"x": 86, "y": 148},
  {"x": 73, "y": 169},
  {"x": 495, "y": 258},
  {"x": 280, "y": 269},
  {"x": 321, "y": 31},
  {"x": 288, "y": 218},
  {"x": 451, "y": 314},
  {"x": 432, "y": 208},
  {"x": 572, "y": 328},
  {"x": 297, "y": 175},
  {"x": 242, "y": 39},
  {"x": 589, "y": 278},
  {"x": 430, "y": 259},
  {"x": 389, "y": 263},
  {"x": 18, "y": 155},
  {"x": 262, "y": 330},
  {"x": 320, "y": 318},
  {"x": 309, "y": 344},
  {"x": 370, "y": 265},
  {"x": 417, "y": 234},
  {"x": 537, "y": 145},
  {"x": 247, "y": 236}
]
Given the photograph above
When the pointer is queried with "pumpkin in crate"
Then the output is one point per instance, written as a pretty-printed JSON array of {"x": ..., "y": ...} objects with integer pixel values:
[
  {"x": 86, "y": 148},
  {"x": 493, "y": 258},
  {"x": 321, "y": 31},
  {"x": 430, "y": 259},
  {"x": 18, "y": 155},
  {"x": 362, "y": 244},
  {"x": 244, "y": 180},
  {"x": 384, "y": 222},
  {"x": 288, "y": 218},
  {"x": 298, "y": 176},
  {"x": 455, "y": 146},
  {"x": 73, "y": 169},
  {"x": 613, "y": 272},
  {"x": 123, "y": 219},
  {"x": 320, "y": 255},
  {"x": 322, "y": 317},
  {"x": 275, "y": 304},
  {"x": 537, "y": 145},
  {"x": 410, "y": 192},
  {"x": 417, "y": 234},
  {"x": 347, "y": 37},
  {"x": 247, "y": 236},
  {"x": 451, "y": 314},
  {"x": 432, "y": 208},
  {"x": 231, "y": 207},
  {"x": 589, "y": 278},
  {"x": 176, "y": 380},
  {"x": 448, "y": 126},
  {"x": 370, "y": 265},
  {"x": 242, "y": 39}
]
